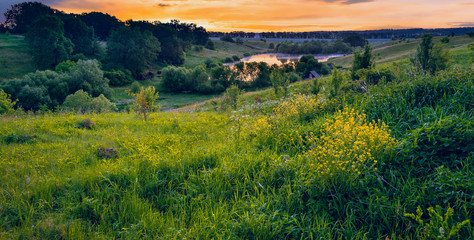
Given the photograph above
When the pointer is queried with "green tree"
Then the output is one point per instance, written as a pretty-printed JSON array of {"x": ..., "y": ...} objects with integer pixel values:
[
  {"x": 231, "y": 97},
  {"x": 6, "y": 104},
  {"x": 48, "y": 45},
  {"x": 102, "y": 23},
  {"x": 174, "y": 79},
  {"x": 336, "y": 82},
  {"x": 145, "y": 101},
  {"x": 132, "y": 49},
  {"x": 363, "y": 60},
  {"x": 81, "y": 35},
  {"x": 22, "y": 15},
  {"x": 430, "y": 57},
  {"x": 89, "y": 77},
  {"x": 81, "y": 101}
]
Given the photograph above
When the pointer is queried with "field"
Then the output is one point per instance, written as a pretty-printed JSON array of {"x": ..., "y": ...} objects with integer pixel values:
[
  {"x": 400, "y": 49},
  {"x": 15, "y": 60},
  {"x": 225, "y": 49},
  {"x": 392, "y": 160}
]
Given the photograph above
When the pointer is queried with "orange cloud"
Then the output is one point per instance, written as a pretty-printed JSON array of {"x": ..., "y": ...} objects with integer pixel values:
[{"x": 283, "y": 15}]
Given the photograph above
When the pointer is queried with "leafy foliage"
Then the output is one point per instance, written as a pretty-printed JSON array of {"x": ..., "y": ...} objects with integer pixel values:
[
  {"x": 145, "y": 101},
  {"x": 81, "y": 101},
  {"x": 48, "y": 31},
  {"x": 132, "y": 49},
  {"x": 430, "y": 57},
  {"x": 6, "y": 104}
]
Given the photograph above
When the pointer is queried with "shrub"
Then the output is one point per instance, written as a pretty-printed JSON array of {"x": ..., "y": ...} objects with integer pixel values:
[
  {"x": 348, "y": 147},
  {"x": 145, "y": 101},
  {"x": 81, "y": 101},
  {"x": 119, "y": 77},
  {"x": 440, "y": 226},
  {"x": 235, "y": 58},
  {"x": 228, "y": 60},
  {"x": 107, "y": 153},
  {"x": 22, "y": 138},
  {"x": 6, "y": 104},
  {"x": 210, "y": 45},
  {"x": 227, "y": 38},
  {"x": 442, "y": 142},
  {"x": 86, "y": 124},
  {"x": 135, "y": 87},
  {"x": 231, "y": 97}
]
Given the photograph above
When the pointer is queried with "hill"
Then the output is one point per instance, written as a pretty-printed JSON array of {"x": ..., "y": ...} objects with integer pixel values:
[
  {"x": 387, "y": 160},
  {"x": 401, "y": 49}
]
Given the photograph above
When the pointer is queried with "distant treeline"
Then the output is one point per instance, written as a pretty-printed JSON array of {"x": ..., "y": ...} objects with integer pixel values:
[
  {"x": 369, "y": 34},
  {"x": 314, "y": 47}
]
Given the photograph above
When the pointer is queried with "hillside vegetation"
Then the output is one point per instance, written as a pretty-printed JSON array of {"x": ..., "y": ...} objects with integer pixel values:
[
  {"x": 388, "y": 160},
  {"x": 401, "y": 49}
]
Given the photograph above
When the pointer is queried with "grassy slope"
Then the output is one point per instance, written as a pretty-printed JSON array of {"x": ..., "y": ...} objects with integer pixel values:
[
  {"x": 225, "y": 49},
  {"x": 216, "y": 176},
  {"x": 396, "y": 50},
  {"x": 15, "y": 60}
]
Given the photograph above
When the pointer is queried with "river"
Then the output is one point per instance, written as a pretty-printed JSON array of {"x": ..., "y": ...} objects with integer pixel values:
[{"x": 279, "y": 58}]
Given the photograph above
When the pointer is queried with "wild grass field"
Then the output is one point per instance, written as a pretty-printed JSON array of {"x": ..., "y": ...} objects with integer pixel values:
[{"x": 394, "y": 161}]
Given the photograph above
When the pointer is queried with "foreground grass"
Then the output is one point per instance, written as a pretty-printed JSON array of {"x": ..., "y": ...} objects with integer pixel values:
[
  {"x": 15, "y": 61},
  {"x": 356, "y": 166}
]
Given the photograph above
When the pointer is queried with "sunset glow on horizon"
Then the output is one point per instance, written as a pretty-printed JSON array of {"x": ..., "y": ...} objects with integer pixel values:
[{"x": 283, "y": 15}]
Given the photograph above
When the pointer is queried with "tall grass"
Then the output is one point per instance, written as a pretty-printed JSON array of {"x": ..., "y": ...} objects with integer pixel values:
[{"x": 248, "y": 174}]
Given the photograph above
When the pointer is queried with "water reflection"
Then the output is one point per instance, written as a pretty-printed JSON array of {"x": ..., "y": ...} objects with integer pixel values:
[{"x": 279, "y": 59}]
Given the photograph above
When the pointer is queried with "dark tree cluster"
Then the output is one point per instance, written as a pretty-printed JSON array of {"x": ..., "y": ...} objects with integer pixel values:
[
  {"x": 56, "y": 36},
  {"x": 314, "y": 47},
  {"x": 367, "y": 34},
  {"x": 47, "y": 89}
]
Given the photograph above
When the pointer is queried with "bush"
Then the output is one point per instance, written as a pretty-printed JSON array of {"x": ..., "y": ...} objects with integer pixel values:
[
  {"x": 86, "y": 124},
  {"x": 235, "y": 58},
  {"x": 231, "y": 97},
  {"x": 444, "y": 142},
  {"x": 348, "y": 147},
  {"x": 107, "y": 153},
  {"x": 6, "y": 104},
  {"x": 228, "y": 60},
  {"x": 135, "y": 87},
  {"x": 23, "y": 138},
  {"x": 81, "y": 101},
  {"x": 210, "y": 45},
  {"x": 174, "y": 79},
  {"x": 119, "y": 77},
  {"x": 227, "y": 38}
]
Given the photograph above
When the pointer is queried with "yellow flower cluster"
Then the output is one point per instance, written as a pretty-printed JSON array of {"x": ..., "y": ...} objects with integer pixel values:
[{"x": 348, "y": 147}]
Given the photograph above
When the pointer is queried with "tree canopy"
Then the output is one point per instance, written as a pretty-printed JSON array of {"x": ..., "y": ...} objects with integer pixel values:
[
  {"x": 132, "y": 49},
  {"x": 48, "y": 45}
]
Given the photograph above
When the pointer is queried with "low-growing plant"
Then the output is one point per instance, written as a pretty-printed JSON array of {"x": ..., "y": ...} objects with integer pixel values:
[
  {"x": 86, "y": 124},
  {"x": 440, "y": 226},
  {"x": 6, "y": 104},
  {"x": 107, "y": 153},
  {"x": 348, "y": 147},
  {"x": 145, "y": 101},
  {"x": 19, "y": 138}
]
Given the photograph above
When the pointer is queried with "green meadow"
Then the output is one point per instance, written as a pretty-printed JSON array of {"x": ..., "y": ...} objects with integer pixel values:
[{"x": 391, "y": 160}]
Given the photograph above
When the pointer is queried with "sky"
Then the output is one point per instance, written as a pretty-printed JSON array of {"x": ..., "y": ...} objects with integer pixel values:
[{"x": 281, "y": 15}]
